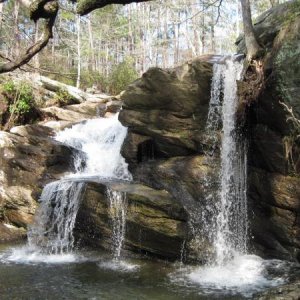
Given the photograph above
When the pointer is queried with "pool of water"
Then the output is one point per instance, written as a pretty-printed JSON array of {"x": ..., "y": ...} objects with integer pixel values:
[{"x": 95, "y": 275}]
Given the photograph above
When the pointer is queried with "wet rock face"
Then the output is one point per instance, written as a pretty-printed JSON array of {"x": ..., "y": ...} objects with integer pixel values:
[
  {"x": 274, "y": 145},
  {"x": 29, "y": 158},
  {"x": 189, "y": 180},
  {"x": 155, "y": 222},
  {"x": 274, "y": 199}
]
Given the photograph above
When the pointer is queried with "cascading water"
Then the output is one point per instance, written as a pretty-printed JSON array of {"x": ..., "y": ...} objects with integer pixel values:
[
  {"x": 99, "y": 142},
  {"x": 208, "y": 211},
  {"x": 226, "y": 228},
  {"x": 215, "y": 105}
]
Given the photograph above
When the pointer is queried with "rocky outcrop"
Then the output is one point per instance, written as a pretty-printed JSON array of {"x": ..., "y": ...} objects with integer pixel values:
[
  {"x": 166, "y": 112},
  {"x": 273, "y": 130},
  {"x": 70, "y": 114},
  {"x": 156, "y": 223},
  {"x": 29, "y": 158}
]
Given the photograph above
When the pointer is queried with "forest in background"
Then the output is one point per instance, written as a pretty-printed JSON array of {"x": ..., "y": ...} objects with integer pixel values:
[{"x": 111, "y": 47}]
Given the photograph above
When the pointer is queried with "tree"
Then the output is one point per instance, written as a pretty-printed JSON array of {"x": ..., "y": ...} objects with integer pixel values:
[
  {"x": 78, "y": 52},
  {"x": 39, "y": 9},
  {"x": 47, "y": 10},
  {"x": 153, "y": 33},
  {"x": 253, "y": 48}
]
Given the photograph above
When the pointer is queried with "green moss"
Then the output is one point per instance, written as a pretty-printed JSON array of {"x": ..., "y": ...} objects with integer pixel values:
[
  {"x": 287, "y": 67},
  {"x": 293, "y": 14}
]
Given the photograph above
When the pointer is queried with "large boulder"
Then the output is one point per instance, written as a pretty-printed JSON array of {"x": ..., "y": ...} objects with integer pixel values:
[
  {"x": 194, "y": 182},
  {"x": 168, "y": 109},
  {"x": 75, "y": 112}
]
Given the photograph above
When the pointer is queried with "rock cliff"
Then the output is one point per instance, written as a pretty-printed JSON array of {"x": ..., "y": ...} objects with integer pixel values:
[
  {"x": 166, "y": 111},
  {"x": 273, "y": 129}
]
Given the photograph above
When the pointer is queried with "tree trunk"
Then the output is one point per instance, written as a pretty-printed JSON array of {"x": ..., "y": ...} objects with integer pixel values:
[
  {"x": 203, "y": 37},
  {"x": 37, "y": 57},
  {"x": 92, "y": 60},
  {"x": 78, "y": 53},
  {"x": 16, "y": 47},
  {"x": 166, "y": 42},
  {"x": 212, "y": 31},
  {"x": 237, "y": 21},
  {"x": 253, "y": 48},
  {"x": 1, "y": 17}
]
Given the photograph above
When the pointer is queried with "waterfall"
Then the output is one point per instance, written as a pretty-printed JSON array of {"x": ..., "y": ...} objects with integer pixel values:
[
  {"x": 227, "y": 228},
  {"x": 215, "y": 104},
  {"x": 118, "y": 209},
  {"x": 53, "y": 229},
  {"x": 99, "y": 141},
  {"x": 225, "y": 213},
  {"x": 231, "y": 225}
]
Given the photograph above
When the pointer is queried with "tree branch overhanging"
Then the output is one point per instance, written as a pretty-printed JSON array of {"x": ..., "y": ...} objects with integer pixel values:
[
  {"x": 39, "y": 9},
  {"x": 86, "y": 6}
]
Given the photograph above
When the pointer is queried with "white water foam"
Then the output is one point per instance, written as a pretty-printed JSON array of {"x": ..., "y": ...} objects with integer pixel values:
[
  {"x": 101, "y": 141},
  {"x": 33, "y": 255},
  {"x": 245, "y": 275}
]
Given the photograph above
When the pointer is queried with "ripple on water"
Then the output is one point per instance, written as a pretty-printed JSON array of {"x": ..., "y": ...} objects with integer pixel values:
[{"x": 118, "y": 265}]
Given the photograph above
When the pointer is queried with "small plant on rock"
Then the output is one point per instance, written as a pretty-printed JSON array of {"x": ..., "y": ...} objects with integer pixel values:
[
  {"x": 63, "y": 98},
  {"x": 19, "y": 103}
]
